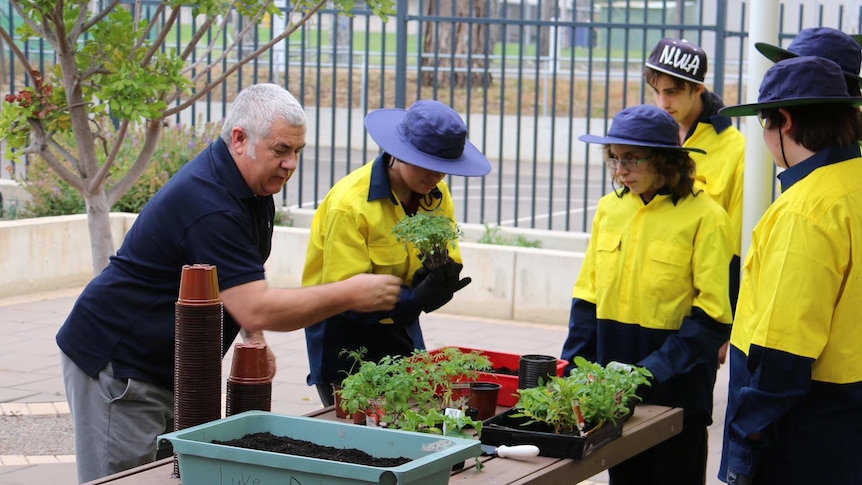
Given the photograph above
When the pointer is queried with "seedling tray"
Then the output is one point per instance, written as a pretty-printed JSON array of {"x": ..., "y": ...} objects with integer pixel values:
[{"x": 504, "y": 429}]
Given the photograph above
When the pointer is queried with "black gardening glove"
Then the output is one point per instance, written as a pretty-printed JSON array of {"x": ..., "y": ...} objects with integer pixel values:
[
  {"x": 448, "y": 271},
  {"x": 419, "y": 276},
  {"x": 734, "y": 478},
  {"x": 437, "y": 288},
  {"x": 429, "y": 291}
]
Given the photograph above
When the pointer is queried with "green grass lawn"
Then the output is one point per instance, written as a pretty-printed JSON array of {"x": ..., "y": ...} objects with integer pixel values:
[{"x": 376, "y": 43}]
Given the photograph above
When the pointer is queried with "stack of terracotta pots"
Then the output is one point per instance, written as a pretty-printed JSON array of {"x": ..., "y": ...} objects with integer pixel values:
[
  {"x": 197, "y": 349},
  {"x": 249, "y": 386}
]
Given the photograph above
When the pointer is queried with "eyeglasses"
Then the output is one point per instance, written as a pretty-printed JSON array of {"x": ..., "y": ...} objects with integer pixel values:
[
  {"x": 628, "y": 163},
  {"x": 762, "y": 118}
]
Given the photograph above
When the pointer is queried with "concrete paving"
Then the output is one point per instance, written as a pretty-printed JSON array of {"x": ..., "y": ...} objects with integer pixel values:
[{"x": 36, "y": 446}]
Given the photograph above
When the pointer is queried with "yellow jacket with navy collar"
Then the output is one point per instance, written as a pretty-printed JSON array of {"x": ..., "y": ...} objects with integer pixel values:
[
  {"x": 796, "y": 345},
  {"x": 653, "y": 291},
  {"x": 720, "y": 171},
  {"x": 649, "y": 264},
  {"x": 351, "y": 234}
]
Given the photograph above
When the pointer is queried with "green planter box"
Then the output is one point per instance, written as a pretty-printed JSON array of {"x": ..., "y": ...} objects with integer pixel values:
[{"x": 204, "y": 463}]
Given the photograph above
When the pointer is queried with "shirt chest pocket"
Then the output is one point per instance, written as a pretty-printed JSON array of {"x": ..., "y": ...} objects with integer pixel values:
[
  {"x": 388, "y": 259},
  {"x": 608, "y": 258},
  {"x": 668, "y": 265}
]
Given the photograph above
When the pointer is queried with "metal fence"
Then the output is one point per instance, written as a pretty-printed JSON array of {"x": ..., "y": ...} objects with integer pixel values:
[{"x": 527, "y": 76}]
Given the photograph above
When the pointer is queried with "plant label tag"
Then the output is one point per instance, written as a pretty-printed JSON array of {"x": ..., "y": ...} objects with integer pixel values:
[
  {"x": 576, "y": 408},
  {"x": 452, "y": 413},
  {"x": 371, "y": 419}
]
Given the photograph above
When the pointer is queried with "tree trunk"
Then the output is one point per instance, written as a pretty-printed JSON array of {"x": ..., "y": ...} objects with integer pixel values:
[
  {"x": 447, "y": 45},
  {"x": 99, "y": 225},
  {"x": 3, "y": 68}
]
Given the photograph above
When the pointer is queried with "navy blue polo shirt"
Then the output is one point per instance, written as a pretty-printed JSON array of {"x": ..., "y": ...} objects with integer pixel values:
[{"x": 206, "y": 214}]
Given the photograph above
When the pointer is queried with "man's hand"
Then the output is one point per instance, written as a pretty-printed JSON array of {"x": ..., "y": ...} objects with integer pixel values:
[
  {"x": 270, "y": 361},
  {"x": 259, "y": 337},
  {"x": 374, "y": 292}
]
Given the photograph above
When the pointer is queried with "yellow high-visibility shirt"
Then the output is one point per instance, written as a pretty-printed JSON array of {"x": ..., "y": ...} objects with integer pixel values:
[
  {"x": 648, "y": 265},
  {"x": 351, "y": 232},
  {"x": 720, "y": 172},
  {"x": 802, "y": 288}
]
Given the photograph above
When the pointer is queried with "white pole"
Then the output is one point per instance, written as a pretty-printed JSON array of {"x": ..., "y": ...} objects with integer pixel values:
[
  {"x": 763, "y": 27},
  {"x": 851, "y": 19}
]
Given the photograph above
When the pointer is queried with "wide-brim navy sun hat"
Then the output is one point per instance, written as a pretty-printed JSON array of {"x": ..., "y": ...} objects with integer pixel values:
[
  {"x": 643, "y": 126},
  {"x": 826, "y": 42},
  {"x": 798, "y": 81},
  {"x": 430, "y": 135}
]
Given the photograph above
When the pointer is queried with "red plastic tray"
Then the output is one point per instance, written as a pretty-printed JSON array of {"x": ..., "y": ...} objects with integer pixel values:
[{"x": 509, "y": 392}]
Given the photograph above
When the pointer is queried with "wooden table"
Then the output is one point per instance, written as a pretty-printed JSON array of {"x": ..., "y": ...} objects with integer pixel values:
[{"x": 648, "y": 426}]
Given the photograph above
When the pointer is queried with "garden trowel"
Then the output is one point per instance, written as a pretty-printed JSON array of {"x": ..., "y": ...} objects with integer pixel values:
[{"x": 516, "y": 452}]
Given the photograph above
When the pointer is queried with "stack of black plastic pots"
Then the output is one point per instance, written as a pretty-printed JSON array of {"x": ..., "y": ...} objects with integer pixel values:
[{"x": 533, "y": 367}]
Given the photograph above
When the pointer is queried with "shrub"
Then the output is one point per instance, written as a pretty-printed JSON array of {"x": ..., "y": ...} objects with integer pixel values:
[
  {"x": 52, "y": 196},
  {"x": 283, "y": 217},
  {"x": 494, "y": 235},
  {"x": 8, "y": 209},
  {"x": 177, "y": 145}
]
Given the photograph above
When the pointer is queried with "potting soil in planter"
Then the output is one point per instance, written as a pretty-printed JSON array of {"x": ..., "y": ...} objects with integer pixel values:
[
  {"x": 504, "y": 429},
  {"x": 284, "y": 444},
  {"x": 202, "y": 462}
]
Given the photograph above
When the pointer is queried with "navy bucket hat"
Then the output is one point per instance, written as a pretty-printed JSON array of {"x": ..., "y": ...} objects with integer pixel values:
[
  {"x": 798, "y": 81},
  {"x": 430, "y": 135},
  {"x": 826, "y": 42},
  {"x": 643, "y": 126}
]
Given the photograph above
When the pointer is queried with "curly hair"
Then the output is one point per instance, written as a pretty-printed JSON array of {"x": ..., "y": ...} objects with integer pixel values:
[{"x": 675, "y": 170}]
